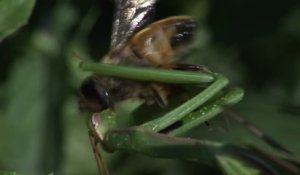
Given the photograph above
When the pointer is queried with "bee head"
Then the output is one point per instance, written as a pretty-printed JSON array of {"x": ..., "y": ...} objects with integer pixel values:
[{"x": 94, "y": 97}]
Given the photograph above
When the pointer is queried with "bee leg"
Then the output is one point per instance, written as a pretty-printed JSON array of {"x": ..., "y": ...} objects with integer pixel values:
[
  {"x": 159, "y": 94},
  {"x": 187, "y": 67},
  {"x": 102, "y": 167}
]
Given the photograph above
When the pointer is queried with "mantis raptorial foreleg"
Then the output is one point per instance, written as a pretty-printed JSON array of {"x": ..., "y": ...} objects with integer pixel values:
[{"x": 157, "y": 137}]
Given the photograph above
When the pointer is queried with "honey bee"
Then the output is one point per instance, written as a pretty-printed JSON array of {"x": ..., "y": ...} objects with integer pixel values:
[{"x": 160, "y": 44}]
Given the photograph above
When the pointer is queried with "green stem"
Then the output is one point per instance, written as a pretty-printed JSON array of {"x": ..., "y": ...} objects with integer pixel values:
[{"x": 148, "y": 74}]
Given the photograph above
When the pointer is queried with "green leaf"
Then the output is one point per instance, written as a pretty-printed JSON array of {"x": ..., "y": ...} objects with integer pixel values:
[
  {"x": 7, "y": 173},
  {"x": 231, "y": 166},
  {"x": 22, "y": 123},
  {"x": 13, "y": 15}
]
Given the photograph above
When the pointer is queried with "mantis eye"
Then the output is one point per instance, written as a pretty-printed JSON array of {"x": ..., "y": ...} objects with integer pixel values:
[{"x": 93, "y": 96}]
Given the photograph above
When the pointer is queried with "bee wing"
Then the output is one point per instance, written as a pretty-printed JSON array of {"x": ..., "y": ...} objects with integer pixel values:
[{"x": 130, "y": 16}]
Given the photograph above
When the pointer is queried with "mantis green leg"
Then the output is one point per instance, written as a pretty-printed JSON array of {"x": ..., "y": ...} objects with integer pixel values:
[
  {"x": 209, "y": 111},
  {"x": 148, "y": 140},
  {"x": 138, "y": 140},
  {"x": 184, "y": 111},
  {"x": 168, "y": 76},
  {"x": 141, "y": 138},
  {"x": 193, "y": 104},
  {"x": 148, "y": 74}
]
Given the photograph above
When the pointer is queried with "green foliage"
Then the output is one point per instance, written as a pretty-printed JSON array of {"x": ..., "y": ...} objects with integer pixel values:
[
  {"x": 7, "y": 173},
  {"x": 254, "y": 43},
  {"x": 233, "y": 167},
  {"x": 14, "y": 14}
]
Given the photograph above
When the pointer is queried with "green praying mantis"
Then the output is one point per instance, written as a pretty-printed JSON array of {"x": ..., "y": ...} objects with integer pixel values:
[
  {"x": 147, "y": 55},
  {"x": 159, "y": 137}
]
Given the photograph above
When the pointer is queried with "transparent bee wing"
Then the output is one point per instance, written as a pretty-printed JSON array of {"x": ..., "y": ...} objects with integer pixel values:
[{"x": 130, "y": 16}]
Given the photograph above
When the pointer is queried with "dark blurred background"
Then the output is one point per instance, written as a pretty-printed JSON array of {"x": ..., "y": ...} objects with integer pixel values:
[{"x": 256, "y": 44}]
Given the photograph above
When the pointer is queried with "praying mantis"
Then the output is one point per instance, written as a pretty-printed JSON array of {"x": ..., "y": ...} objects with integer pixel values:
[
  {"x": 151, "y": 139},
  {"x": 148, "y": 57}
]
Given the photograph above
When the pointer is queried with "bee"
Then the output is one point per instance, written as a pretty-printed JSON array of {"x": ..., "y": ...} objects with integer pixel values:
[{"x": 160, "y": 44}]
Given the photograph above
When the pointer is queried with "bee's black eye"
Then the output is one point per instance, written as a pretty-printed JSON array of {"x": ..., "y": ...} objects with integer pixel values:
[{"x": 94, "y": 97}]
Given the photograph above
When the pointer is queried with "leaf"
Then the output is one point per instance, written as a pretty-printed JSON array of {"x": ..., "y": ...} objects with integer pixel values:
[
  {"x": 13, "y": 15},
  {"x": 7, "y": 173},
  {"x": 22, "y": 123},
  {"x": 231, "y": 166}
]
